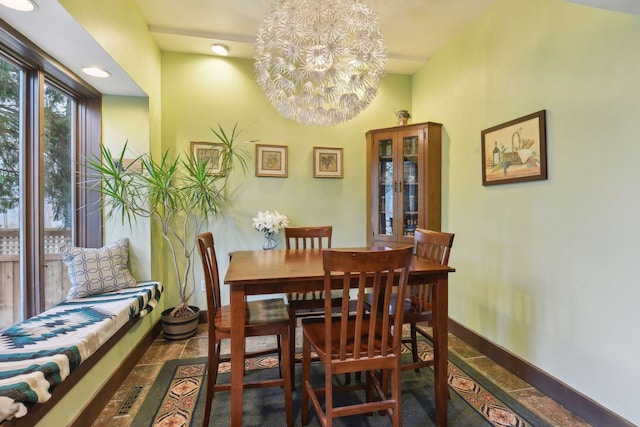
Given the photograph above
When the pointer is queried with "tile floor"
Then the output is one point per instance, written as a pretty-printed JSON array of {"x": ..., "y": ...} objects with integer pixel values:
[{"x": 161, "y": 350}]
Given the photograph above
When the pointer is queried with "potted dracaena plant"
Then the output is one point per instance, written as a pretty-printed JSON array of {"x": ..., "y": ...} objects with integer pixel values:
[{"x": 181, "y": 196}]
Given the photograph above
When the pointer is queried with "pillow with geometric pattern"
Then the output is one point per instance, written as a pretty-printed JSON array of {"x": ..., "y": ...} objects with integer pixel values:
[{"x": 96, "y": 271}]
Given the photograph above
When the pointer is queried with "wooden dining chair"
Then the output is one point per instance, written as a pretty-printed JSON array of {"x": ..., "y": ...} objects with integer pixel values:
[
  {"x": 357, "y": 341},
  {"x": 434, "y": 246},
  {"x": 305, "y": 304},
  {"x": 263, "y": 318}
]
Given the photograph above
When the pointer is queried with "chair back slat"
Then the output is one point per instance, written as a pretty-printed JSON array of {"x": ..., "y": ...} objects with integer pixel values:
[
  {"x": 364, "y": 333},
  {"x": 206, "y": 246},
  {"x": 308, "y": 237},
  {"x": 344, "y": 311}
]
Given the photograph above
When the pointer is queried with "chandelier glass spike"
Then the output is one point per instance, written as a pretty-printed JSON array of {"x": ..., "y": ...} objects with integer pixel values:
[{"x": 319, "y": 62}]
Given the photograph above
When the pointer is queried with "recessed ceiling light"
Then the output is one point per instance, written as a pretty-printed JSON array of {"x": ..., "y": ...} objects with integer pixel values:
[
  {"x": 220, "y": 49},
  {"x": 96, "y": 72},
  {"x": 21, "y": 5}
]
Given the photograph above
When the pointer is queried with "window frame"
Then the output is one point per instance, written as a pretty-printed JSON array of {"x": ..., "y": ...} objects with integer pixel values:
[{"x": 87, "y": 218}]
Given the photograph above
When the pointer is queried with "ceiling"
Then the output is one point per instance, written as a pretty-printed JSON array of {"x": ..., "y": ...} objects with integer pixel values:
[{"x": 412, "y": 29}]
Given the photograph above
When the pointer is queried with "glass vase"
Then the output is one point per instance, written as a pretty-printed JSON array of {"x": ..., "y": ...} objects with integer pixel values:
[{"x": 269, "y": 242}]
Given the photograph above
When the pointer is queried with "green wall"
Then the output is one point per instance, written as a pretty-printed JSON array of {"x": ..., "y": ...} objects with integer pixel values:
[
  {"x": 194, "y": 94},
  {"x": 119, "y": 27},
  {"x": 546, "y": 269},
  {"x": 198, "y": 92},
  {"x": 125, "y": 121}
]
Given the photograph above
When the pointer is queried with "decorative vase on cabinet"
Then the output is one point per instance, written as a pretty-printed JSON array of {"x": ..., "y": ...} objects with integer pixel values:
[{"x": 403, "y": 176}]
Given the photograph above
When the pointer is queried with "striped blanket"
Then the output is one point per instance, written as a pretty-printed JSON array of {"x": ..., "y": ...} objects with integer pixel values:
[{"x": 39, "y": 353}]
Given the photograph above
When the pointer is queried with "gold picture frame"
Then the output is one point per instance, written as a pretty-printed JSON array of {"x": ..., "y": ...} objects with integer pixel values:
[
  {"x": 327, "y": 162},
  {"x": 515, "y": 151},
  {"x": 212, "y": 153},
  {"x": 271, "y": 160}
]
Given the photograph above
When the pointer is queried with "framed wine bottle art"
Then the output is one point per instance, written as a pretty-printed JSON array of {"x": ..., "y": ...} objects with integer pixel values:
[{"x": 515, "y": 151}]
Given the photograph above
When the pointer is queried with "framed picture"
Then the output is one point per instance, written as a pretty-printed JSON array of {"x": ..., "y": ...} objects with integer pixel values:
[
  {"x": 133, "y": 165},
  {"x": 515, "y": 151},
  {"x": 327, "y": 162},
  {"x": 271, "y": 160},
  {"x": 212, "y": 153}
]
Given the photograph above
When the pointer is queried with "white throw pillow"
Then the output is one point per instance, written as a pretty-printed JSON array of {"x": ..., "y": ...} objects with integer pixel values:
[{"x": 96, "y": 271}]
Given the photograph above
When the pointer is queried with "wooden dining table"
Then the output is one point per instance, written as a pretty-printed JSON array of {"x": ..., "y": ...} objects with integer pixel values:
[{"x": 280, "y": 271}]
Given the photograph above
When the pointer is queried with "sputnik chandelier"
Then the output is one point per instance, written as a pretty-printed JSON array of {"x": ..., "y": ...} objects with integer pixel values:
[{"x": 319, "y": 62}]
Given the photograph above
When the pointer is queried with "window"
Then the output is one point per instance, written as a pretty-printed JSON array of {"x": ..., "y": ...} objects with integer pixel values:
[
  {"x": 58, "y": 182},
  {"x": 49, "y": 123},
  {"x": 11, "y": 78}
]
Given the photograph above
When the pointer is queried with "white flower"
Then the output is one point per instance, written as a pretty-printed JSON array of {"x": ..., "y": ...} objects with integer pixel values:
[{"x": 270, "y": 222}]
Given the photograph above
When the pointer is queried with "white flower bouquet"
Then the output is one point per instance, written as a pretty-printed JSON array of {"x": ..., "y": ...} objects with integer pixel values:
[{"x": 270, "y": 222}]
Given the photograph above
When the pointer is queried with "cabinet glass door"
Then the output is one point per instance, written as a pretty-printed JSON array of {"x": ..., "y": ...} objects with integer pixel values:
[
  {"x": 411, "y": 193},
  {"x": 386, "y": 186}
]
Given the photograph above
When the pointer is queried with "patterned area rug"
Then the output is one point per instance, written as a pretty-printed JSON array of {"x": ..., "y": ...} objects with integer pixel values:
[{"x": 177, "y": 398}]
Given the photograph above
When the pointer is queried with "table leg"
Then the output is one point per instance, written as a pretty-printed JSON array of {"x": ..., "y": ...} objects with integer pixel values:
[
  {"x": 237, "y": 300},
  {"x": 440, "y": 348}
]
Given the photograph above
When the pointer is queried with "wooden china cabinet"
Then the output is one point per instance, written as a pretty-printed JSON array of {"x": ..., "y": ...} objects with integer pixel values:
[{"x": 403, "y": 175}]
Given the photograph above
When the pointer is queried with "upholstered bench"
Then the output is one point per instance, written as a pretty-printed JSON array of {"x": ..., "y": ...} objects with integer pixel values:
[{"x": 39, "y": 353}]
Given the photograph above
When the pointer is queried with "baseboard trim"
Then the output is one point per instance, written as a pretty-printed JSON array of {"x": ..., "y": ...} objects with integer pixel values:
[
  {"x": 581, "y": 405},
  {"x": 92, "y": 410}
]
